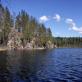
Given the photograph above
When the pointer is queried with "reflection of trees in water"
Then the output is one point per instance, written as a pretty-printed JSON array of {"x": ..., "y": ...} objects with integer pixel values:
[
  {"x": 31, "y": 63},
  {"x": 13, "y": 63},
  {"x": 22, "y": 65},
  {"x": 26, "y": 65},
  {"x": 4, "y": 72}
]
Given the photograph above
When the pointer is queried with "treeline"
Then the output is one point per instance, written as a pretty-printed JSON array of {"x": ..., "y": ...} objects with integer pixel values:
[
  {"x": 23, "y": 23},
  {"x": 30, "y": 28},
  {"x": 6, "y": 22},
  {"x": 68, "y": 41}
]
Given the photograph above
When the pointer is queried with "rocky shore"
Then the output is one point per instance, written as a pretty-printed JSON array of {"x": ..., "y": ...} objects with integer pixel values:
[
  {"x": 6, "y": 48},
  {"x": 15, "y": 42}
]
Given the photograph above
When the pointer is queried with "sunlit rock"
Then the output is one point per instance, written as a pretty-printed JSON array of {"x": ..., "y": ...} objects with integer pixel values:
[
  {"x": 14, "y": 40},
  {"x": 49, "y": 44}
]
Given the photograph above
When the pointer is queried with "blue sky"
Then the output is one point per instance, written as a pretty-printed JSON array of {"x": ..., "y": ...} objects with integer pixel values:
[{"x": 64, "y": 17}]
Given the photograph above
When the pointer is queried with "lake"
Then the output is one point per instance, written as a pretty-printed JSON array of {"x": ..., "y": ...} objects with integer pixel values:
[{"x": 56, "y": 65}]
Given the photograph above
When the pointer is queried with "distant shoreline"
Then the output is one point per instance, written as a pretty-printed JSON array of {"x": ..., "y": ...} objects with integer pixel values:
[{"x": 5, "y": 48}]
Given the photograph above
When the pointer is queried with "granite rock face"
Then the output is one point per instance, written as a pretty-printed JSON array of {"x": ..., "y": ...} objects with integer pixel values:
[
  {"x": 49, "y": 44},
  {"x": 14, "y": 40}
]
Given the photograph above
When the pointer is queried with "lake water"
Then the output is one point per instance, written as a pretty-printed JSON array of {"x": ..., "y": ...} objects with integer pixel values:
[{"x": 56, "y": 65}]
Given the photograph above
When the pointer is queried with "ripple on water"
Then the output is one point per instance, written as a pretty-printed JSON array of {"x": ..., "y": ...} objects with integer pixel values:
[{"x": 60, "y": 65}]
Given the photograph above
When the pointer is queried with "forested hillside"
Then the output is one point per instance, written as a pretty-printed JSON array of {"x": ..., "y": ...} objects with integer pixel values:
[
  {"x": 29, "y": 29},
  {"x": 25, "y": 25},
  {"x": 68, "y": 41}
]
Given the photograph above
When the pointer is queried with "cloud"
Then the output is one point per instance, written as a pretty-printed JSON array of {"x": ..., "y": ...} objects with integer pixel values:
[
  {"x": 77, "y": 29},
  {"x": 47, "y": 18},
  {"x": 57, "y": 17},
  {"x": 43, "y": 18},
  {"x": 73, "y": 26},
  {"x": 70, "y": 22}
]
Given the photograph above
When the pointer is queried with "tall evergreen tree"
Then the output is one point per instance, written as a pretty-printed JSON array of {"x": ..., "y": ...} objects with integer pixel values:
[{"x": 7, "y": 23}]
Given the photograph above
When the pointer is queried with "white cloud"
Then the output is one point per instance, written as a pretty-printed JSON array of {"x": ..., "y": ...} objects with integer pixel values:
[
  {"x": 57, "y": 17},
  {"x": 43, "y": 18},
  {"x": 77, "y": 29},
  {"x": 70, "y": 22},
  {"x": 73, "y": 26}
]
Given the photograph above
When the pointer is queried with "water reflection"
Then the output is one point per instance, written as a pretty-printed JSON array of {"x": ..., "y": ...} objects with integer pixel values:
[
  {"x": 60, "y": 65},
  {"x": 4, "y": 72},
  {"x": 13, "y": 63},
  {"x": 31, "y": 63},
  {"x": 25, "y": 65}
]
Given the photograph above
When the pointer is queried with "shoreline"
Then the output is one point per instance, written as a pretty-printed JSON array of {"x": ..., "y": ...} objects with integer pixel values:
[
  {"x": 3, "y": 49},
  {"x": 6, "y": 48}
]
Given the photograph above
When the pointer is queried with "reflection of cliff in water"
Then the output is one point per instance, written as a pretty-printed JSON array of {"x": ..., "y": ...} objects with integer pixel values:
[
  {"x": 13, "y": 63},
  {"x": 32, "y": 62},
  {"x": 23, "y": 65}
]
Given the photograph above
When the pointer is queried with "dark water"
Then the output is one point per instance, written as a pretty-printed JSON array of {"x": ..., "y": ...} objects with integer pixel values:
[{"x": 57, "y": 65}]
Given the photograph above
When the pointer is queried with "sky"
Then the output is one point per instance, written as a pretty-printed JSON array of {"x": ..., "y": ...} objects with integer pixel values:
[{"x": 64, "y": 17}]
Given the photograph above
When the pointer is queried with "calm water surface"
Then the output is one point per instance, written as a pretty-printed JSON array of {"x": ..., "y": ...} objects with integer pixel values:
[{"x": 56, "y": 65}]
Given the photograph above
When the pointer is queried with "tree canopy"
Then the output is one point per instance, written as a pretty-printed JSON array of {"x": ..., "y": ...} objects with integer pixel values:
[{"x": 25, "y": 24}]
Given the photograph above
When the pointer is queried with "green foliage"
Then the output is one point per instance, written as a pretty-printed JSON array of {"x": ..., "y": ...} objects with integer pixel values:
[
  {"x": 30, "y": 28},
  {"x": 24, "y": 24},
  {"x": 68, "y": 42},
  {"x": 5, "y": 24}
]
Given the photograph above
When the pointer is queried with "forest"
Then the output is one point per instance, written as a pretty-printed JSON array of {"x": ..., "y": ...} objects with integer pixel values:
[
  {"x": 71, "y": 42},
  {"x": 29, "y": 28},
  {"x": 25, "y": 25}
]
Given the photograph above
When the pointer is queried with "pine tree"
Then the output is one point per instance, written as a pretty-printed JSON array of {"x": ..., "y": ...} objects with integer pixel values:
[{"x": 7, "y": 24}]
